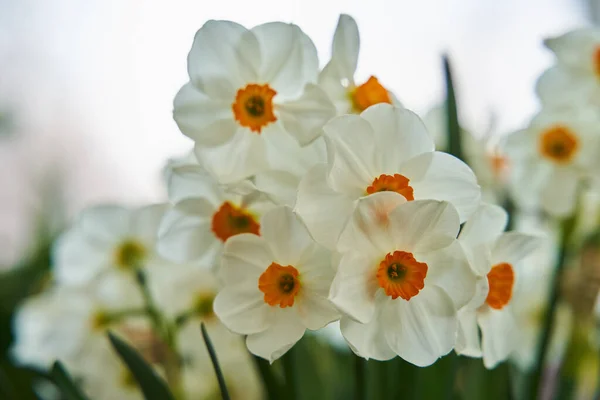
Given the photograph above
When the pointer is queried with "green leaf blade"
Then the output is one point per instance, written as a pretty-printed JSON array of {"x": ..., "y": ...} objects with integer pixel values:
[{"x": 65, "y": 383}]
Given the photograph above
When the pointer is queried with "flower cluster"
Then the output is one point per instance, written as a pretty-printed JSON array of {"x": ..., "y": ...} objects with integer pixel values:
[{"x": 309, "y": 199}]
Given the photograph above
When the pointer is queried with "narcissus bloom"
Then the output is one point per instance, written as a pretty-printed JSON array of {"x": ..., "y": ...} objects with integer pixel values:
[
  {"x": 384, "y": 149},
  {"x": 496, "y": 258},
  {"x": 206, "y": 214},
  {"x": 246, "y": 85},
  {"x": 107, "y": 239},
  {"x": 575, "y": 79},
  {"x": 337, "y": 78},
  {"x": 552, "y": 157},
  {"x": 401, "y": 279},
  {"x": 276, "y": 285}
]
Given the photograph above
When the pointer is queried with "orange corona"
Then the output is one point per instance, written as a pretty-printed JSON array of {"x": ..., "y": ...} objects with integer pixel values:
[
  {"x": 253, "y": 107},
  {"x": 388, "y": 183},
  {"x": 501, "y": 280},
  {"x": 369, "y": 93},
  {"x": 558, "y": 144},
  {"x": 230, "y": 220},
  {"x": 400, "y": 275},
  {"x": 597, "y": 61},
  {"x": 280, "y": 285}
]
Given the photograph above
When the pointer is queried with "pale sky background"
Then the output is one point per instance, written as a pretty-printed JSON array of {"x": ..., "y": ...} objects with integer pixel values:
[{"x": 91, "y": 82}]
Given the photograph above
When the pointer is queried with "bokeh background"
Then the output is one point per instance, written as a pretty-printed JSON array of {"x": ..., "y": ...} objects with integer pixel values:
[{"x": 86, "y": 90}]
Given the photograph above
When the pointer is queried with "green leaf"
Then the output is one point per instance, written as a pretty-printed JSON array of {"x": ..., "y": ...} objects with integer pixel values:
[
  {"x": 152, "y": 385},
  {"x": 215, "y": 362},
  {"x": 453, "y": 126},
  {"x": 65, "y": 383}
]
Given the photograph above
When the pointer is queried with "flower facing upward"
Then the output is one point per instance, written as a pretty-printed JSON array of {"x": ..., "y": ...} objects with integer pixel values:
[
  {"x": 245, "y": 86},
  {"x": 275, "y": 285},
  {"x": 383, "y": 149},
  {"x": 337, "y": 77},
  {"x": 107, "y": 239},
  {"x": 496, "y": 259},
  {"x": 552, "y": 157},
  {"x": 401, "y": 278},
  {"x": 206, "y": 215}
]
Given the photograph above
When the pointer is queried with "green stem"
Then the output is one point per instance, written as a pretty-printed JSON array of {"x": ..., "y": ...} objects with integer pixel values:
[
  {"x": 550, "y": 317},
  {"x": 453, "y": 126},
  {"x": 271, "y": 383},
  {"x": 289, "y": 370},
  {"x": 360, "y": 371},
  {"x": 215, "y": 363}
]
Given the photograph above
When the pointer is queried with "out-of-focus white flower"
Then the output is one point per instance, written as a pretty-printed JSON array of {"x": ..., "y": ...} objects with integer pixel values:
[
  {"x": 206, "y": 214},
  {"x": 276, "y": 285},
  {"x": 551, "y": 158},
  {"x": 383, "y": 149},
  {"x": 401, "y": 279},
  {"x": 575, "y": 79},
  {"x": 107, "y": 239},
  {"x": 246, "y": 85},
  {"x": 496, "y": 258},
  {"x": 337, "y": 78}
]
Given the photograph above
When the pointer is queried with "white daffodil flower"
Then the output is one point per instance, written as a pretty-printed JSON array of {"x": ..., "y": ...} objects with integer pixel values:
[
  {"x": 107, "y": 239},
  {"x": 383, "y": 149},
  {"x": 246, "y": 85},
  {"x": 337, "y": 77},
  {"x": 275, "y": 285},
  {"x": 552, "y": 157},
  {"x": 575, "y": 79},
  {"x": 401, "y": 279},
  {"x": 206, "y": 214},
  {"x": 496, "y": 258}
]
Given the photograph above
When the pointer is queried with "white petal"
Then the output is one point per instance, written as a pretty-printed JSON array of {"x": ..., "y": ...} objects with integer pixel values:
[
  {"x": 559, "y": 87},
  {"x": 345, "y": 48},
  {"x": 281, "y": 336},
  {"x": 354, "y": 287},
  {"x": 315, "y": 311},
  {"x": 513, "y": 247},
  {"x": 286, "y": 234},
  {"x": 528, "y": 179},
  {"x": 369, "y": 226},
  {"x": 440, "y": 176},
  {"x": 485, "y": 225},
  {"x": 449, "y": 269},
  {"x": 560, "y": 193},
  {"x": 245, "y": 258},
  {"x": 105, "y": 224},
  {"x": 77, "y": 260},
  {"x": 399, "y": 134},
  {"x": 467, "y": 338},
  {"x": 185, "y": 233},
  {"x": 203, "y": 119},
  {"x": 281, "y": 186},
  {"x": 498, "y": 331},
  {"x": 242, "y": 309},
  {"x": 189, "y": 181},
  {"x": 305, "y": 116},
  {"x": 353, "y": 158},
  {"x": 287, "y": 57},
  {"x": 145, "y": 222},
  {"x": 243, "y": 156},
  {"x": 576, "y": 48},
  {"x": 222, "y": 58},
  {"x": 422, "y": 329},
  {"x": 424, "y": 225},
  {"x": 323, "y": 210},
  {"x": 367, "y": 340}
]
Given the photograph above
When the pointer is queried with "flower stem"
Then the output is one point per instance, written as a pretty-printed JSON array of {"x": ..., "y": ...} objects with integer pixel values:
[
  {"x": 289, "y": 370},
  {"x": 270, "y": 381},
  {"x": 360, "y": 371},
  {"x": 215, "y": 362},
  {"x": 568, "y": 226}
]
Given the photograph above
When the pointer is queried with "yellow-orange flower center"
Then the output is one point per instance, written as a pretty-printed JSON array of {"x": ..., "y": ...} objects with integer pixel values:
[
  {"x": 253, "y": 106},
  {"x": 130, "y": 254},
  {"x": 230, "y": 220},
  {"x": 280, "y": 285},
  {"x": 559, "y": 144},
  {"x": 369, "y": 93},
  {"x": 388, "y": 183},
  {"x": 596, "y": 61},
  {"x": 501, "y": 280},
  {"x": 400, "y": 275}
]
